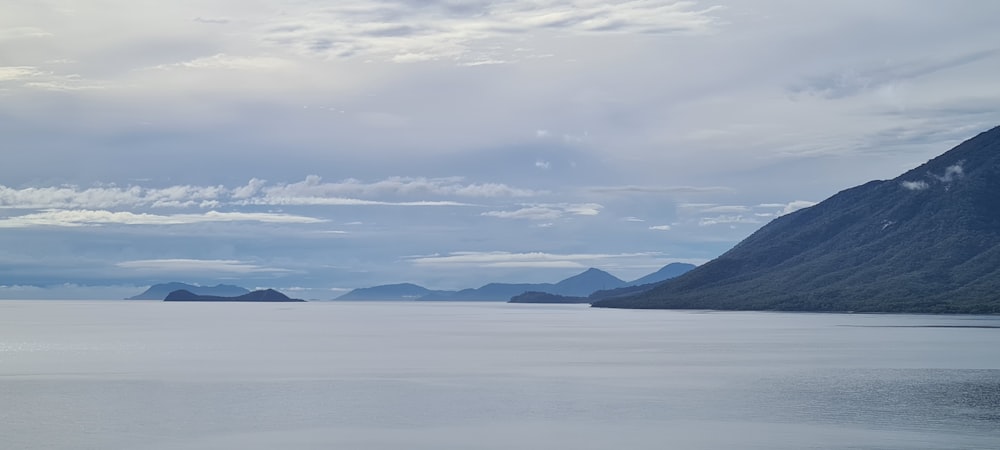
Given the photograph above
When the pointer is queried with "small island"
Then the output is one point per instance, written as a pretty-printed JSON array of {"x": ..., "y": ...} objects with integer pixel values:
[{"x": 265, "y": 295}]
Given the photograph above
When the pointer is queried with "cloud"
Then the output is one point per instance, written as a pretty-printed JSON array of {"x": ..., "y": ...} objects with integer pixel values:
[
  {"x": 851, "y": 82},
  {"x": 659, "y": 189},
  {"x": 9, "y": 34},
  {"x": 401, "y": 32},
  {"x": 727, "y": 219},
  {"x": 222, "y": 61},
  {"x": 35, "y": 78},
  {"x": 225, "y": 266},
  {"x": 311, "y": 191},
  {"x": 526, "y": 260},
  {"x": 633, "y": 219},
  {"x": 726, "y": 209},
  {"x": 529, "y": 213},
  {"x": 543, "y": 164},
  {"x": 14, "y": 73},
  {"x": 660, "y": 227},
  {"x": 951, "y": 173},
  {"x": 548, "y": 211},
  {"x": 250, "y": 190},
  {"x": 212, "y": 20},
  {"x": 108, "y": 197},
  {"x": 796, "y": 205},
  {"x": 914, "y": 185},
  {"x": 78, "y": 218},
  {"x": 341, "y": 201}
]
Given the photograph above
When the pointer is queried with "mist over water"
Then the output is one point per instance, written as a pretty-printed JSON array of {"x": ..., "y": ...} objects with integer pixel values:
[{"x": 156, "y": 376}]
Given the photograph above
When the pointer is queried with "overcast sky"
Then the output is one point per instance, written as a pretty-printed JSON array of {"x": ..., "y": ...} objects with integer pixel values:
[{"x": 318, "y": 146}]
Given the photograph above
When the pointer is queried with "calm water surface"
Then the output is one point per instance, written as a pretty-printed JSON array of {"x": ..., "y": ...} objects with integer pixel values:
[{"x": 150, "y": 375}]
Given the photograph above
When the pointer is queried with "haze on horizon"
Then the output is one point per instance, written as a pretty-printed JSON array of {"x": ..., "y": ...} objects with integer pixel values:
[{"x": 316, "y": 147}]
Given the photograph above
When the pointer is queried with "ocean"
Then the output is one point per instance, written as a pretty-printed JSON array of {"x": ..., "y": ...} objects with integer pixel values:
[{"x": 392, "y": 375}]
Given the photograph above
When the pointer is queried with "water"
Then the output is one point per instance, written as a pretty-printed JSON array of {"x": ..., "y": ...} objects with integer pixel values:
[{"x": 154, "y": 376}]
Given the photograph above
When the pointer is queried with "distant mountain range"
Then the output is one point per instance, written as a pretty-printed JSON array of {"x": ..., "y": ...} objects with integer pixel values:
[
  {"x": 580, "y": 285},
  {"x": 643, "y": 284},
  {"x": 264, "y": 295},
  {"x": 160, "y": 291},
  {"x": 927, "y": 241}
]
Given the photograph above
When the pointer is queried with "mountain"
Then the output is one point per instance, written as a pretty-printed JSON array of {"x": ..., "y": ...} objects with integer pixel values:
[
  {"x": 634, "y": 287},
  {"x": 160, "y": 291},
  {"x": 266, "y": 295},
  {"x": 927, "y": 241},
  {"x": 587, "y": 282},
  {"x": 402, "y": 291},
  {"x": 581, "y": 284},
  {"x": 488, "y": 293},
  {"x": 672, "y": 270}
]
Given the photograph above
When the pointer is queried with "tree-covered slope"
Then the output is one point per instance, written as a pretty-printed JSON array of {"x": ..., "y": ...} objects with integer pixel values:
[{"x": 927, "y": 241}]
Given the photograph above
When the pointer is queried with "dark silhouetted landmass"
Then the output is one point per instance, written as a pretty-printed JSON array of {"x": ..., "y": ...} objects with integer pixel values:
[
  {"x": 402, "y": 291},
  {"x": 491, "y": 292},
  {"x": 925, "y": 242},
  {"x": 265, "y": 295},
  {"x": 545, "y": 297},
  {"x": 578, "y": 285},
  {"x": 634, "y": 287},
  {"x": 160, "y": 291}
]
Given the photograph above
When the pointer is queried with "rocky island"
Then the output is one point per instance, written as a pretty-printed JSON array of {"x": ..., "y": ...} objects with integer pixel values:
[{"x": 265, "y": 295}]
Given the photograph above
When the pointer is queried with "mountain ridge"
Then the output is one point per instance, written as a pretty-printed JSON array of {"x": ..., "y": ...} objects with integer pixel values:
[
  {"x": 580, "y": 285},
  {"x": 927, "y": 241}
]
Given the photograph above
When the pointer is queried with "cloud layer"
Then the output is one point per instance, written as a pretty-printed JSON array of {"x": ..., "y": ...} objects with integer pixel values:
[{"x": 510, "y": 138}]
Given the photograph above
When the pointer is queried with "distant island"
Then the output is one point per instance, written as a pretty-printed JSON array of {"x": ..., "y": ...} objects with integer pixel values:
[
  {"x": 927, "y": 241},
  {"x": 400, "y": 291},
  {"x": 160, "y": 291},
  {"x": 265, "y": 295},
  {"x": 580, "y": 285}
]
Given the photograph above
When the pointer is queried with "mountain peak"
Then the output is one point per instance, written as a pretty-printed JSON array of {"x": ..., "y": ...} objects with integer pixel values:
[{"x": 587, "y": 282}]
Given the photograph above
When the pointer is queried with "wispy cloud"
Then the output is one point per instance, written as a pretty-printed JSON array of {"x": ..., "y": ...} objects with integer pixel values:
[
  {"x": 110, "y": 197},
  {"x": 548, "y": 211},
  {"x": 728, "y": 219},
  {"x": 796, "y": 205},
  {"x": 13, "y": 73},
  {"x": 311, "y": 191},
  {"x": 914, "y": 185},
  {"x": 951, "y": 173},
  {"x": 629, "y": 189},
  {"x": 78, "y": 218},
  {"x": 528, "y": 260},
  {"x": 406, "y": 33},
  {"x": 33, "y": 77},
  {"x": 661, "y": 227},
  {"x": 10, "y": 34},
  {"x": 224, "y": 266},
  {"x": 313, "y": 187},
  {"x": 851, "y": 82},
  {"x": 726, "y": 209},
  {"x": 222, "y": 61}
]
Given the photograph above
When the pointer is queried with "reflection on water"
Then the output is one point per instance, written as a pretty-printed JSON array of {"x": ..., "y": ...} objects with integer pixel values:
[{"x": 150, "y": 375}]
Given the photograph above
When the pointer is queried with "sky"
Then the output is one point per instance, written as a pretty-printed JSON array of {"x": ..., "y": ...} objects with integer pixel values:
[{"x": 316, "y": 146}]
